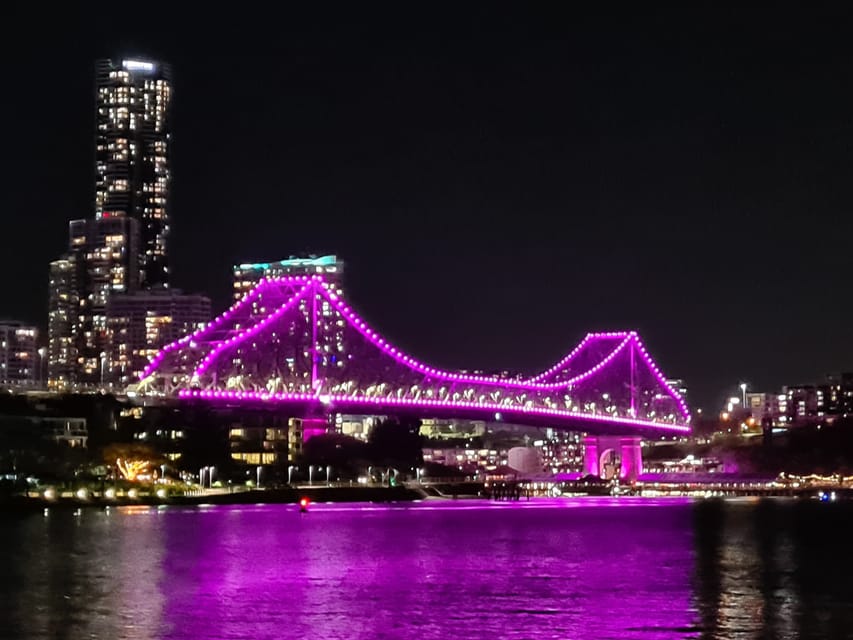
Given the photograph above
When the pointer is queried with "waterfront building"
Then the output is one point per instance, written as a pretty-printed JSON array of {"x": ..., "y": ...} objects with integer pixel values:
[
  {"x": 257, "y": 442},
  {"x": 62, "y": 430},
  {"x": 805, "y": 403},
  {"x": 140, "y": 324},
  {"x": 101, "y": 261},
  {"x": 355, "y": 426},
  {"x": 451, "y": 429},
  {"x": 18, "y": 355},
  {"x": 561, "y": 451},
  {"x": 762, "y": 409},
  {"x": 467, "y": 460},
  {"x": 132, "y": 155},
  {"x": 839, "y": 394},
  {"x": 246, "y": 276},
  {"x": 802, "y": 404}
]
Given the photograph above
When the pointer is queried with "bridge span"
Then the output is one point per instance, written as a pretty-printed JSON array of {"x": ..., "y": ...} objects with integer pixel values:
[{"x": 294, "y": 343}]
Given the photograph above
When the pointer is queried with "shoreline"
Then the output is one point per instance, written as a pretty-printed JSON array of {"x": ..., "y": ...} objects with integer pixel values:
[
  {"x": 287, "y": 495},
  {"x": 291, "y": 495}
]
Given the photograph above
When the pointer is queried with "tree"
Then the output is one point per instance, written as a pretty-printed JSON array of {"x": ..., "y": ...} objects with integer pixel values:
[
  {"x": 396, "y": 443},
  {"x": 131, "y": 459},
  {"x": 346, "y": 455}
]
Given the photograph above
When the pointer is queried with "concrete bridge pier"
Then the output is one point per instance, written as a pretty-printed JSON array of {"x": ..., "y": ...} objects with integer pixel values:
[{"x": 607, "y": 456}]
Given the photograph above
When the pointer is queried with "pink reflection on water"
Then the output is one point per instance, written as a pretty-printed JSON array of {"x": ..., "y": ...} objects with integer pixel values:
[{"x": 584, "y": 568}]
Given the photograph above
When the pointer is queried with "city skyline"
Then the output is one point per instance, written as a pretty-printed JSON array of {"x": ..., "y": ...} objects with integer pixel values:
[{"x": 499, "y": 203}]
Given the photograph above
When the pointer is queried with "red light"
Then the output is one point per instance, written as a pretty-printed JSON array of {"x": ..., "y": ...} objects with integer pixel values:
[{"x": 304, "y": 502}]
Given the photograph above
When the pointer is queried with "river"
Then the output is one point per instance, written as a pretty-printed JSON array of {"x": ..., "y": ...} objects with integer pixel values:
[{"x": 565, "y": 568}]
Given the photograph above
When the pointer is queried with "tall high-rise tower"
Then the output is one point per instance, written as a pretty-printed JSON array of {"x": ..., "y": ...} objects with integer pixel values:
[{"x": 132, "y": 151}]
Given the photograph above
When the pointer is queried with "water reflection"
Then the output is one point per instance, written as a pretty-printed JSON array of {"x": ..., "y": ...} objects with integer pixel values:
[
  {"x": 573, "y": 569},
  {"x": 586, "y": 568},
  {"x": 90, "y": 574},
  {"x": 773, "y": 569}
]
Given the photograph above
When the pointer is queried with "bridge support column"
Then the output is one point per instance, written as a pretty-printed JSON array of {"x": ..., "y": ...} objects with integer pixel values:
[
  {"x": 599, "y": 453},
  {"x": 590, "y": 457},
  {"x": 631, "y": 458}
]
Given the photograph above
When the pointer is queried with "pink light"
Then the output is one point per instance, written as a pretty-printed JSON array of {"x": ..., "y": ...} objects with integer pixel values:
[
  {"x": 359, "y": 324},
  {"x": 562, "y": 364},
  {"x": 488, "y": 408},
  {"x": 248, "y": 333},
  {"x": 214, "y": 324},
  {"x": 627, "y": 339}
]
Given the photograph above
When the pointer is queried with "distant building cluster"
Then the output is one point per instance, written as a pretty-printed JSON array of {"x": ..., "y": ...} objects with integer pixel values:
[
  {"x": 552, "y": 452},
  {"x": 805, "y": 404},
  {"x": 110, "y": 304},
  {"x": 793, "y": 406}
]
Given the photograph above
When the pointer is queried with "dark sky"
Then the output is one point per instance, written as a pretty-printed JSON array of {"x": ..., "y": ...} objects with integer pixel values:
[{"x": 499, "y": 182}]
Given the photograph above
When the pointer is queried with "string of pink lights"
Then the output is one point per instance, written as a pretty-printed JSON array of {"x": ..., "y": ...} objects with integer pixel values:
[
  {"x": 377, "y": 404},
  {"x": 231, "y": 330}
]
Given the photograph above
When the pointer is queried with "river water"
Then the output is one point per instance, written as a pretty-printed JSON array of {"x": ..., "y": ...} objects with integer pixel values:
[{"x": 571, "y": 569}]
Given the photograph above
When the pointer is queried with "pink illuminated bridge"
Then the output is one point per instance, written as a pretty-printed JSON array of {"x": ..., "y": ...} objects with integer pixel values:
[{"x": 294, "y": 343}]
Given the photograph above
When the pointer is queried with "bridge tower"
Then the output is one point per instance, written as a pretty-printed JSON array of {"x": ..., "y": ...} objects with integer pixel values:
[{"x": 600, "y": 454}]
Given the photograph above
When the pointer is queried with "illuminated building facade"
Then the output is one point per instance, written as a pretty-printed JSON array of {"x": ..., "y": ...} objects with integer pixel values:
[
  {"x": 259, "y": 441},
  {"x": 102, "y": 260},
  {"x": 108, "y": 250},
  {"x": 132, "y": 155},
  {"x": 123, "y": 249},
  {"x": 63, "y": 306},
  {"x": 331, "y": 342},
  {"x": 141, "y": 323},
  {"x": 18, "y": 364},
  {"x": 804, "y": 404},
  {"x": 247, "y": 276}
]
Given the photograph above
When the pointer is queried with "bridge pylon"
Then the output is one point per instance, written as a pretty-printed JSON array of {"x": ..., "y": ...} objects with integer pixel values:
[{"x": 610, "y": 456}]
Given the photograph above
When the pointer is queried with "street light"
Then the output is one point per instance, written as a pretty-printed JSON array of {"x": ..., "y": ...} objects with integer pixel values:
[
  {"x": 212, "y": 471},
  {"x": 289, "y": 473},
  {"x": 259, "y": 476},
  {"x": 42, "y": 368},
  {"x": 103, "y": 367},
  {"x": 328, "y": 468},
  {"x": 743, "y": 392},
  {"x": 310, "y": 473}
]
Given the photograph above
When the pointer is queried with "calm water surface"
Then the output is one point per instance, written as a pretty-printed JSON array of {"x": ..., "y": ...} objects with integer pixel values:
[{"x": 582, "y": 568}]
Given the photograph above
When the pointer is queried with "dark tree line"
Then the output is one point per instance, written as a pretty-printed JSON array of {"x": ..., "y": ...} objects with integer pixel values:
[{"x": 393, "y": 443}]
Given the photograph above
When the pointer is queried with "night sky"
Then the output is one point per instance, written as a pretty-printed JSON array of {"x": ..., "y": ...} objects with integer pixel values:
[{"x": 498, "y": 183}]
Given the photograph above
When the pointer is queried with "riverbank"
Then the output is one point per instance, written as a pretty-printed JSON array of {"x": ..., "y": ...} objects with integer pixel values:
[
  {"x": 285, "y": 495},
  {"x": 320, "y": 494}
]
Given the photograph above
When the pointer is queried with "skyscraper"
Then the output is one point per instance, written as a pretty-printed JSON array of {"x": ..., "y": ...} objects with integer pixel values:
[
  {"x": 62, "y": 312},
  {"x": 18, "y": 362},
  {"x": 132, "y": 151},
  {"x": 110, "y": 306}
]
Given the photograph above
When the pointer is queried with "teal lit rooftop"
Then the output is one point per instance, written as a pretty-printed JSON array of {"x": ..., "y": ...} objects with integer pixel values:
[{"x": 322, "y": 261}]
